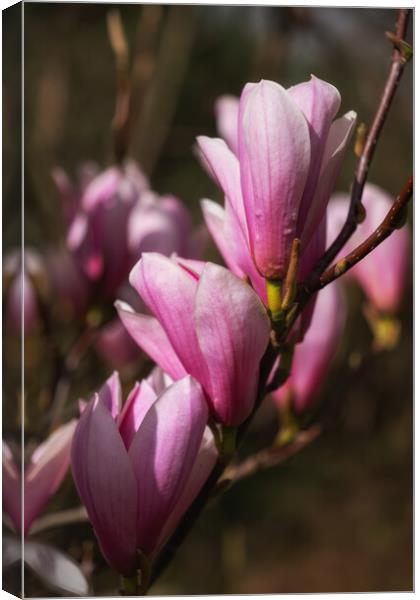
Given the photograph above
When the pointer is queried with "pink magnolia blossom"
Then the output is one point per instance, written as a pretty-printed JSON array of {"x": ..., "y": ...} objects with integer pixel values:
[
  {"x": 138, "y": 469},
  {"x": 382, "y": 274},
  {"x": 97, "y": 219},
  {"x": 313, "y": 356},
  {"x": 207, "y": 323},
  {"x": 278, "y": 187},
  {"x": 43, "y": 475}
]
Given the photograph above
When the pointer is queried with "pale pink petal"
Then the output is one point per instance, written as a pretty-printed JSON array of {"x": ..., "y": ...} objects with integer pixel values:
[
  {"x": 335, "y": 148},
  {"x": 110, "y": 394},
  {"x": 227, "y": 109},
  {"x": 163, "y": 453},
  {"x": 319, "y": 101},
  {"x": 104, "y": 478},
  {"x": 274, "y": 154},
  {"x": 152, "y": 339},
  {"x": 169, "y": 291},
  {"x": 233, "y": 331},
  {"x": 46, "y": 470},
  {"x": 224, "y": 167},
  {"x": 214, "y": 216}
]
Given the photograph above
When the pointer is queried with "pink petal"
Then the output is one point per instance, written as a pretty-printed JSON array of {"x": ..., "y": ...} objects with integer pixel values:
[
  {"x": 382, "y": 274},
  {"x": 163, "y": 453},
  {"x": 110, "y": 394},
  {"x": 141, "y": 398},
  {"x": 274, "y": 154},
  {"x": 150, "y": 336},
  {"x": 45, "y": 472},
  {"x": 169, "y": 291},
  {"x": 203, "y": 466},
  {"x": 314, "y": 355},
  {"x": 319, "y": 101},
  {"x": 106, "y": 484},
  {"x": 224, "y": 167},
  {"x": 115, "y": 345},
  {"x": 214, "y": 216},
  {"x": 233, "y": 331},
  {"x": 101, "y": 188},
  {"x": 336, "y": 145},
  {"x": 227, "y": 109}
]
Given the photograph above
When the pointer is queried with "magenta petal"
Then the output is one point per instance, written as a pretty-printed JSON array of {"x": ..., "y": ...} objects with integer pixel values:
[
  {"x": 150, "y": 336},
  {"x": 203, "y": 465},
  {"x": 335, "y": 148},
  {"x": 163, "y": 453},
  {"x": 140, "y": 399},
  {"x": 319, "y": 101},
  {"x": 106, "y": 484},
  {"x": 169, "y": 291},
  {"x": 233, "y": 331},
  {"x": 48, "y": 466},
  {"x": 227, "y": 109},
  {"x": 274, "y": 154},
  {"x": 12, "y": 488}
]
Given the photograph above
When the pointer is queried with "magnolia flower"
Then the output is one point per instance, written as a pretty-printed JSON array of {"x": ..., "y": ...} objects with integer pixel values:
[
  {"x": 138, "y": 469},
  {"x": 382, "y": 273},
  {"x": 43, "y": 475},
  {"x": 278, "y": 187},
  {"x": 97, "y": 216},
  {"x": 312, "y": 358},
  {"x": 207, "y": 323}
]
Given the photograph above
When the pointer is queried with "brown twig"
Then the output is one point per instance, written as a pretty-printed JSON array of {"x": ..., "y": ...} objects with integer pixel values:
[
  {"x": 121, "y": 120},
  {"x": 58, "y": 519},
  {"x": 391, "y": 222},
  {"x": 270, "y": 457},
  {"x": 398, "y": 62}
]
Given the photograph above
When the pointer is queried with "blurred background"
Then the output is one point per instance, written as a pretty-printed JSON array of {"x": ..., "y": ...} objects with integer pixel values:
[{"x": 337, "y": 517}]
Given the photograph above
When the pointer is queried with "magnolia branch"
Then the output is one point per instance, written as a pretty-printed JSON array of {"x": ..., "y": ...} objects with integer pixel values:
[
  {"x": 399, "y": 59},
  {"x": 392, "y": 221},
  {"x": 270, "y": 457}
]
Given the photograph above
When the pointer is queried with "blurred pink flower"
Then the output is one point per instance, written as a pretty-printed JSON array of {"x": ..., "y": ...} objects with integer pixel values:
[
  {"x": 312, "y": 358},
  {"x": 138, "y": 469},
  {"x": 290, "y": 153},
  {"x": 207, "y": 323},
  {"x": 382, "y": 274},
  {"x": 21, "y": 278},
  {"x": 227, "y": 110},
  {"x": 43, "y": 475}
]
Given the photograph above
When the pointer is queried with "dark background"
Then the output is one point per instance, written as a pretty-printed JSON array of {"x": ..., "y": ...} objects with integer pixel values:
[{"x": 338, "y": 517}]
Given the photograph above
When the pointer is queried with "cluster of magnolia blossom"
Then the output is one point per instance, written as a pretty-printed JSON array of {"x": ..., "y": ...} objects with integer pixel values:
[{"x": 139, "y": 465}]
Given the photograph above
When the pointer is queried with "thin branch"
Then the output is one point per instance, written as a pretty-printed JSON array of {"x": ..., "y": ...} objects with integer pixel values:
[
  {"x": 58, "y": 519},
  {"x": 398, "y": 62},
  {"x": 270, "y": 457},
  {"x": 391, "y": 222},
  {"x": 121, "y": 120}
]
